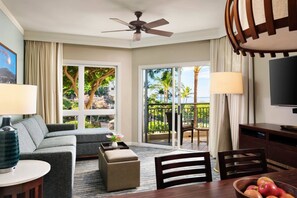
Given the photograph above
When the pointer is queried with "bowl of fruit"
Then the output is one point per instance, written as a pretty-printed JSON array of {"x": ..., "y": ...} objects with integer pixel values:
[{"x": 263, "y": 187}]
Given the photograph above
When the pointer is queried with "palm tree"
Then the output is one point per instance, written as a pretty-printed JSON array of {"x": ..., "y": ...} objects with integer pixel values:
[
  {"x": 196, "y": 73},
  {"x": 185, "y": 93},
  {"x": 163, "y": 83}
]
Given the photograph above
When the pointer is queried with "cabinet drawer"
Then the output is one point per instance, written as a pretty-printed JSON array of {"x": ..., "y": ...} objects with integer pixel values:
[
  {"x": 246, "y": 141},
  {"x": 282, "y": 153}
]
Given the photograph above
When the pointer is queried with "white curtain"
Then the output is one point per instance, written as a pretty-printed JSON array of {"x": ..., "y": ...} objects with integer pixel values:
[
  {"x": 241, "y": 107},
  {"x": 42, "y": 68}
]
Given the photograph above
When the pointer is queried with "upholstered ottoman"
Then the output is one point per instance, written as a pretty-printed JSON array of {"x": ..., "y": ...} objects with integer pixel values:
[{"x": 120, "y": 169}]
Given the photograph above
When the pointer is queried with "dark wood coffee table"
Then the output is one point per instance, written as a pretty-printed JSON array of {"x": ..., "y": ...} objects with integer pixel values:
[{"x": 107, "y": 146}]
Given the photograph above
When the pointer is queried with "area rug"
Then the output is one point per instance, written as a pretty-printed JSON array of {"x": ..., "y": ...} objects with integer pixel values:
[{"x": 88, "y": 182}]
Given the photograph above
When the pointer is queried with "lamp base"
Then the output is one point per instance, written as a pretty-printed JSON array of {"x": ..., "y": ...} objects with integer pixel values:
[
  {"x": 6, "y": 170},
  {"x": 9, "y": 148}
]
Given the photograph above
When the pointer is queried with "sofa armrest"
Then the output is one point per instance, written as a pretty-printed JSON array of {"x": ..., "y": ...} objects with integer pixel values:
[
  {"x": 60, "y": 127},
  {"x": 59, "y": 181}
]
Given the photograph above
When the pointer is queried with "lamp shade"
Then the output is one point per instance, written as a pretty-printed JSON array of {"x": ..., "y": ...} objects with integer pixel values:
[
  {"x": 17, "y": 99},
  {"x": 226, "y": 83},
  {"x": 268, "y": 26}
]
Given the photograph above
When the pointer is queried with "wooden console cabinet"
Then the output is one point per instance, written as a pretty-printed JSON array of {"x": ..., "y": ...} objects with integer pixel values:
[{"x": 280, "y": 145}]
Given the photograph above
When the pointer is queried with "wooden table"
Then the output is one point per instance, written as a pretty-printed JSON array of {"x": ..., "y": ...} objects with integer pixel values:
[
  {"x": 25, "y": 181},
  {"x": 222, "y": 189}
]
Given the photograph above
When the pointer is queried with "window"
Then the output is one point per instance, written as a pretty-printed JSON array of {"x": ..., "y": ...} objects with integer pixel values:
[{"x": 89, "y": 96}]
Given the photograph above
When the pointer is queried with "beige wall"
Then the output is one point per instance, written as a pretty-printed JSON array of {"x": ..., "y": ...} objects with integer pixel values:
[
  {"x": 105, "y": 54},
  {"x": 130, "y": 61},
  {"x": 175, "y": 53},
  {"x": 264, "y": 111}
]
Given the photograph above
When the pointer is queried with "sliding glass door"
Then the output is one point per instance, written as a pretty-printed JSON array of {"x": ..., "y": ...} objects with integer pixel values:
[
  {"x": 170, "y": 102},
  {"x": 159, "y": 104}
]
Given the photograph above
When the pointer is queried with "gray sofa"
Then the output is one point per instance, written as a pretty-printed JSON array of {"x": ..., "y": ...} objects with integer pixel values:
[{"x": 59, "y": 145}]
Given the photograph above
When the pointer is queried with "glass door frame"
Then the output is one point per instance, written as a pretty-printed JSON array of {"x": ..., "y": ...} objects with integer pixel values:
[{"x": 140, "y": 123}]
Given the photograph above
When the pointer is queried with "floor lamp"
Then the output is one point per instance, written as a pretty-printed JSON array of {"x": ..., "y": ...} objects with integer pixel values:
[
  {"x": 225, "y": 83},
  {"x": 15, "y": 100}
]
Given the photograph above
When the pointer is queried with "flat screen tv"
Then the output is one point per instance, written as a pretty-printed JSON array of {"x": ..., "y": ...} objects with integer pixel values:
[{"x": 283, "y": 81}]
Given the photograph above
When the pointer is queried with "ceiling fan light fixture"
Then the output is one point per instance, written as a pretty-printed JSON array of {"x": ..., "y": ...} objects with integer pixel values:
[
  {"x": 136, "y": 36},
  {"x": 139, "y": 26},
  {"x": 261, "y": 27}
]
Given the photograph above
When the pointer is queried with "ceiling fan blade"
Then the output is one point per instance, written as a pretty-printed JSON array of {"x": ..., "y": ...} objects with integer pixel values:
[
  {"x": 116, "y": 31},
  {"x": 123, "y": 22},
  {"x": 159, "y": 32},
  {"x": 156, "y": 23}
]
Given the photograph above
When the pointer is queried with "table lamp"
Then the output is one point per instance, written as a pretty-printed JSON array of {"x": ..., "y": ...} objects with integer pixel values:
[
  {"x": 15, "y": 100},
  {"x": 225, "y": 83}
]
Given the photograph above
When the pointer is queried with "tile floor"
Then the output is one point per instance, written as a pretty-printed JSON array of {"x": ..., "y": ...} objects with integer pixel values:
[{"x": 187, "y": 142}]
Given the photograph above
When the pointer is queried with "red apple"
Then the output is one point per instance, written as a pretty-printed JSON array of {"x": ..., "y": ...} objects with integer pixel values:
[
  {"x": 287, "y": 195},
  {"x": 252, "y": 194},
  {"x": 281, "y": 192},
  {"x": 252, "y": 187},
  {"x": 268, "y": 188},
  {"x": 262, "y": 180}
]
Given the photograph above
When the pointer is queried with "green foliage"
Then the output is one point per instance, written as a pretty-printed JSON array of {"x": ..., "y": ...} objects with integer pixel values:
[
  {"x": 66, "y": 103},
  {"x": 92, "y": 74},
  {"x": 87, "y": 124},
  {"x": 186, "y": 91},
  {"x": 96, "y": 81},
  {"x": 69, "y": 104},
  {"x": 157, "y": 116},
  {"x": 67, "y": 90},
  {"x": 157, "y": 126},
  {"x": 163, "y": 84}
]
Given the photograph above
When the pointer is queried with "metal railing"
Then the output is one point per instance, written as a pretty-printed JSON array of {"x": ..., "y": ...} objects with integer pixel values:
[{"x": 156, "y": 120}]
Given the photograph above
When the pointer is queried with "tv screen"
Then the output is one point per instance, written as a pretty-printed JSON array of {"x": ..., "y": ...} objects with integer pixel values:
[{"x": 283, "y": 81}]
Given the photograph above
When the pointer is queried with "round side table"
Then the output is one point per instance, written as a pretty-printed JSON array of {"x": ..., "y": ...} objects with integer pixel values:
[{"x": 26, "y": 180}]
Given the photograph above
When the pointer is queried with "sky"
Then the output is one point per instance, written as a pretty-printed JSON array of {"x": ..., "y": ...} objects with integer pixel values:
[{"x": 187, "y": 78}]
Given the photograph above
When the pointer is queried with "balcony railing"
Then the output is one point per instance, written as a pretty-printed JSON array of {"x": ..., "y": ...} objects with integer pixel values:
[{"x": 156, "y": 121}]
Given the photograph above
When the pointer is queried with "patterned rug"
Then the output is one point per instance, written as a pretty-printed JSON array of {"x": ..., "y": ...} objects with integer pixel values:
[{"x": 88, "y": 182}]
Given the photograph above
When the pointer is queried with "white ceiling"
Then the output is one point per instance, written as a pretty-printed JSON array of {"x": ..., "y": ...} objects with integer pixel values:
[{"x": 90, "y": 17}]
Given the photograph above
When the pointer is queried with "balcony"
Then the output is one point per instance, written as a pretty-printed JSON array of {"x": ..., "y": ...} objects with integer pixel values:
[{"x": 155, "y": 120}]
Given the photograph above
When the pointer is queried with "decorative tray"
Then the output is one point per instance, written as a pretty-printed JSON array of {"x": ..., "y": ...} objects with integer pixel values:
[{"x": 107, "y": 146}]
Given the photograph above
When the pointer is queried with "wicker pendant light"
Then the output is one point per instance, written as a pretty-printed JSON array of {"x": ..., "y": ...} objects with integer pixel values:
[{"x": 262, "y": 26}]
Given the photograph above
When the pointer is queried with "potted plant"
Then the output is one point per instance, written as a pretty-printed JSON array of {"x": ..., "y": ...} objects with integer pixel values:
[{"x": 115, "y": 138}]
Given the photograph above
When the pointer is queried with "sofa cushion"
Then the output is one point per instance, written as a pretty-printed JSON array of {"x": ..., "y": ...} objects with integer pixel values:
[
  {"x": 41, "y": 123},
  {"x": 58, "y": 149},
  {"x": 25, "y": 141},
  {"x": 71, "y": 149},
  {"x": 84, "y": 136},
  {"x": 120, "y": 155},
  {"x": 58, "y": 141},
  {"x": 34, "y": 130}
]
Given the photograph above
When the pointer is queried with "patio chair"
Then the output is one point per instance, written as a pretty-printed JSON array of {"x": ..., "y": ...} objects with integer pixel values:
[
  {"x": 242, "y": 162},
  {"x": 183, "y": 127},
  {"x": 185, "y": 168}
]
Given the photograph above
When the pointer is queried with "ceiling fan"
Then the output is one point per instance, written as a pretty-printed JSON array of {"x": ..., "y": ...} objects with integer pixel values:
[{"x": 139, "y": 26}]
